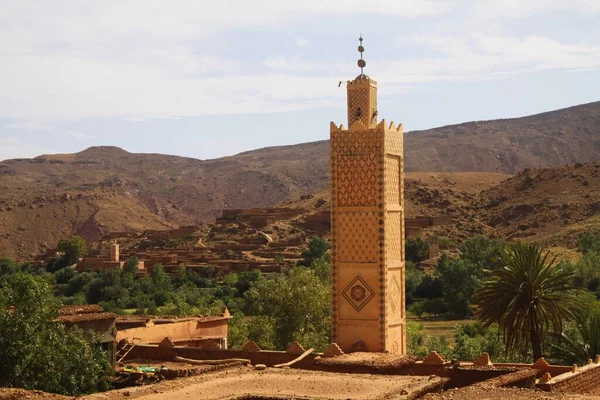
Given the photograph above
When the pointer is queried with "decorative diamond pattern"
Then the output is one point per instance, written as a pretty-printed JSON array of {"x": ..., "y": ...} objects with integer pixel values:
[
  {"x": 357, "y": 180},
  {"x": 357, "y": 237},
  {"x": 365, "y": 98},
  {"x": 394, "y": 237},
  {"x": 368, "y": 141},
  {"x": 393, "y": 189},
  {"x": 394, "y": 293},
  {"x": 358, "y": 293}
]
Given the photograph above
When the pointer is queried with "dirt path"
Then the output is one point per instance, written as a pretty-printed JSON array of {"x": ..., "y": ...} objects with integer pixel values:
[{"x": 275, "y": 383}]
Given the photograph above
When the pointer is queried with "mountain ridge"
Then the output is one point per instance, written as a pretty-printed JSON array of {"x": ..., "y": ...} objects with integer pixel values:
[{"x": 55, "y": 195}]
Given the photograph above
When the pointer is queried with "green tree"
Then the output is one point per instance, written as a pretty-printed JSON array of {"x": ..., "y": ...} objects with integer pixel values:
[
  {"x": 459, "y": 279},
  {"x": 131, "y": 265},
  {"x": 473, "y": 339},
  {"x": 587, "y": 271},
  {"x": 317, "y": 248},
  {"x": 7, "y": 266},
  {"x": 73, "y": 248},
  {"x": 417, "y": 308},
  {"x": 262, "y": 330},
  {"x": 413, "y": 280},
  {"x": 526, "y": 297},
  {"x": 483, "y": 252},
  {"x": 430, "y": 287},
  {"x": 38, "y": 353},
  {"x": 181, "y": 276},
  {"x": 237, "y": 331},
  {"x": 416, "y": 250},
  {"x": 245, "y": 279},
  {"x": 322, "y": 269},
  {"x": 589, "y": 242},
  {"x": 297, "y": 304}
]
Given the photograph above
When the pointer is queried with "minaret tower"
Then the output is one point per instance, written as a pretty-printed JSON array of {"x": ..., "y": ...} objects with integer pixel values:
[
  {"x": 362, "y": 96},
  {"x": 367, "y": 225}
]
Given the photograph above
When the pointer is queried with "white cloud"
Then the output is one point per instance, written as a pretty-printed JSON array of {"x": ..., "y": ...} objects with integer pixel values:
[
  {"x": 302, "y": 42},
  {"x": 81, "y": 135},
  {"x": 514, "y": 9},
  {"x": 31, "y": 126},
  {"x": 481, "y": 56},
  {"x": 148, "y": 59}
]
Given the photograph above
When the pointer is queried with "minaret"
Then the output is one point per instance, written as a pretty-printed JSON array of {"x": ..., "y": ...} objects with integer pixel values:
[
  {"x": 367, "y": 225},
  {"x": 362, "y": 96}
]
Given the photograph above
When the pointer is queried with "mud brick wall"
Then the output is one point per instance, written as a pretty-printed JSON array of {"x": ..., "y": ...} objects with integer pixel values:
[
  {"x": 553, "y": 370},
  {"x": 269, "y": 358},
  {"x": 585, "y": 380}
]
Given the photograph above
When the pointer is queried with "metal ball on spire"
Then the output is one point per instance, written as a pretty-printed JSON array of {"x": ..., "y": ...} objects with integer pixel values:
[{"x": 361, "y": 63}]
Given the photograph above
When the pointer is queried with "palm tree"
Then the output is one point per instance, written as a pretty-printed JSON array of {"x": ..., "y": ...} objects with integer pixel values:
[
  {"x": 581, "y": 344},
  {"x": 528, "y": 295}
]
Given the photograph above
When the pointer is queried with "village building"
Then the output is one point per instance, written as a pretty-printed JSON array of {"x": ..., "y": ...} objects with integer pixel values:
[
  {"x": 109, "y": 258},
  {"x": 93, "y": 318},
  {"x": 200, "y": 332}
]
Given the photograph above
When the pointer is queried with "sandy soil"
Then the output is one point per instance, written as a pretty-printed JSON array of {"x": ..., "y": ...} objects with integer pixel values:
[
  {"x": 276, "y": 383},
  {"x": 375, "y": 361},
  {"x": 18, "y": 394},
  {"x": 504, "y": 394}
]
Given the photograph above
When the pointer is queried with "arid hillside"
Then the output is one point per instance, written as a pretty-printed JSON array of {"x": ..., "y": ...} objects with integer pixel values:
[
  {"x": 552, "y": 206},
  {"x": 566, "y": 136},
  {"x": 106, "y": 189}
]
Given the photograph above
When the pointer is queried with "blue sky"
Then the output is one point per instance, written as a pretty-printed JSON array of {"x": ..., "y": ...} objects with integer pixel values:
[{"x": 206, "y": 79}]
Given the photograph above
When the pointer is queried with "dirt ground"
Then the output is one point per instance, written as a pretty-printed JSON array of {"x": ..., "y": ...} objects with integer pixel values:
[
  {"x": 375, "y": 361},
  {"x": 244, "y": 382},
  {"x": 19, "y": 394},
  {"x": 504, "y": 394}
]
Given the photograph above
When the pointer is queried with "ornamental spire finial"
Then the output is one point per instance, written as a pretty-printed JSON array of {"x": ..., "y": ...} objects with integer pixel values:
[{"x": 361, "y": 63}]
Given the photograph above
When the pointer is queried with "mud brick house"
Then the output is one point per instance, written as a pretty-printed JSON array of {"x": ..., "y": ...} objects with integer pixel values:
[
  {"x": 92, "y": 318},
  {"x": 199, "y": 332},
  {"x": 109, "y": 258}
]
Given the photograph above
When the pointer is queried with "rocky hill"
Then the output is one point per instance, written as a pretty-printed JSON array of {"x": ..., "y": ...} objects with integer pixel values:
[
  {"x": 565, "y": 136},
  {"x": 548, "y": 205},
  {"x": 105, "y": 189}
]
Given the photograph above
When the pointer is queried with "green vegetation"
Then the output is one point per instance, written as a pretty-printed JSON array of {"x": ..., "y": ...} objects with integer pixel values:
[
  {"x": 272, "y": 310},
  {"x": 589, "y": 242},
  {"x": 416, "y": 249},
  {"x": 295, "y": 305},
  {"x": 529, "y": 296},
  {"x": 580, "y": 340},
  {"x": 73, "y": 249},
  {"x": 317, "y": 249},
  {"x": 526, "y": 303},
  {"x": 449, "y": 291},
  {"x": 38, "y": 353},
  {"x": 524, "y": 300}
]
